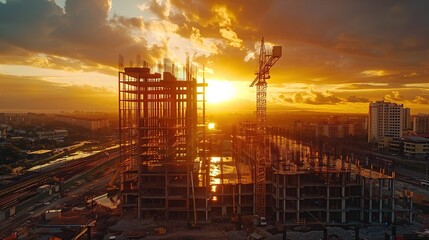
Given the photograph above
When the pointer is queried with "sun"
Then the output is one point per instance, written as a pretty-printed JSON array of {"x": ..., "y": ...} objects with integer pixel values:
[{"x": 219, "y": 91}]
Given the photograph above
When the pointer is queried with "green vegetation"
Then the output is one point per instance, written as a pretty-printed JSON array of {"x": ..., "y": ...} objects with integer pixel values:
[{"x": 10, "y": 154}]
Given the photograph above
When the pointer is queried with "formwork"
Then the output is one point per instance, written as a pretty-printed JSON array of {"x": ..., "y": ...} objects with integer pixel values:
[{"x": 159, "y": 119}]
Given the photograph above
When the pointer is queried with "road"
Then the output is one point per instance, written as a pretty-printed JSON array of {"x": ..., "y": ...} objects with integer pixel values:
[{"x": 64, "y": 172}]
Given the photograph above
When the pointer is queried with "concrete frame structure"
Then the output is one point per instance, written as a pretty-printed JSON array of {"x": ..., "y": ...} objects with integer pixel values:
[
  {"x": 165, "y": 172},
  {"x": 305, "y": 186},
  {"x": 159, "y": 119}
]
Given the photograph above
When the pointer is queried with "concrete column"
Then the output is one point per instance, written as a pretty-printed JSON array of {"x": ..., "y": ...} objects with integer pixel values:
[
  {"x": 284, "y": 194},
  {"x": 328, "y": 215},
  {"x": 392, "y": 199},
  {"x": 411, "y": 210},
  {"x": 188, "y": 194},
  {"x": 278, "y": 187},
  {"x": 284, "y": 207},
  {"x": 370, "y": 200},
  {"x": 380, "y": 186},
  {"x": 139, "y": 206},
  {"x": 166, "y": 212},
  {"x": 254, "y": 193},
  {"x": 223, "y": 201},
  {"x": 343, "y": 199},
  {"x": 298, "y": 194},
  {"x": 362, "y": 197},
  {"x": 239, "y": 199}
]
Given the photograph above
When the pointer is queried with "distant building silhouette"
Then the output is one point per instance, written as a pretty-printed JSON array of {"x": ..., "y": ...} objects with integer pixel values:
[
  {"x": 421, "y": 125},
  {"x": 90, "y": 124}
]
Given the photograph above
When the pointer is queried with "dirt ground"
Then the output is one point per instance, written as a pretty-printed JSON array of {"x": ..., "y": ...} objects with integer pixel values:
[{"x": 128, "y": 226}]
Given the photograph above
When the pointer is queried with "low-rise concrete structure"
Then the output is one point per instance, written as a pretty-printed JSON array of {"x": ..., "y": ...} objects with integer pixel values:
[
  {"x": 55, "y": 135},
  {"x": 87, "y": 123}
]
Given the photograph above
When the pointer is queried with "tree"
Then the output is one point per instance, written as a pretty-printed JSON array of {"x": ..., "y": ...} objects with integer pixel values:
[
  {"x": 23, "y": 143},
  {"x": 5, "y": 169},
  {"x": 10, "y": 154}
]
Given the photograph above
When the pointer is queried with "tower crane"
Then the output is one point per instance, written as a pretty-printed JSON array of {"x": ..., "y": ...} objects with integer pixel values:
[{"x": 267, "y": 59}]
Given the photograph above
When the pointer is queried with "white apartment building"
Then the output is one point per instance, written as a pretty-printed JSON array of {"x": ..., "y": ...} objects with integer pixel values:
[{"x": 385, "y": 120}]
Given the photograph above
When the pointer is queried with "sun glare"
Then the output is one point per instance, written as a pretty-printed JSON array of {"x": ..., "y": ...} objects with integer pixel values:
[
  {"x": 211, "y": 126},
  {"x": 220, "y": 91}
]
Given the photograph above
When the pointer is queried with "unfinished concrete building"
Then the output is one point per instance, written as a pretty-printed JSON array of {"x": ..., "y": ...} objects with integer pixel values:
[
  {"x": 159, "y": 119},
  {"x": 169, "y": 169},
  {"x": 305, "y": 186}
]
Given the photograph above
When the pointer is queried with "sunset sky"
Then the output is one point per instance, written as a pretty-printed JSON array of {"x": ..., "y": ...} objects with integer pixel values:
[{"x": 337, "y": 55}]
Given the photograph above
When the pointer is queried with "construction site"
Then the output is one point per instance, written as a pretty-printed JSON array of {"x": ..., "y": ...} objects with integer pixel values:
[
  {"x": 169, "y": 170},
  {"x": 176, "y": 175}
]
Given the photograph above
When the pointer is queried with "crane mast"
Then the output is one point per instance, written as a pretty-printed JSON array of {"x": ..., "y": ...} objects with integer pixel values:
[{"x": 267, "y": 59}]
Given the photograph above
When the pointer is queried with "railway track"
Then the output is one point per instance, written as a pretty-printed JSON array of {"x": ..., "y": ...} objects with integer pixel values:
[{"x": 33, "y": 179}]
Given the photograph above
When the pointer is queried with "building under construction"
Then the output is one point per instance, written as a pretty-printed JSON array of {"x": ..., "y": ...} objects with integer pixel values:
[
  {"x": 159, "y": 118},
  {"x": 168, "y": 170},
  {"x": 313, "y": 185}
]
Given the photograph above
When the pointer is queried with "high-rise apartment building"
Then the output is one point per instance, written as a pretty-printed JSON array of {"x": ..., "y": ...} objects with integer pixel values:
[
  {"x": 421, "y": 124},
  {"x": 407, "y": 121},
  {"x": 385, "y": 120}
]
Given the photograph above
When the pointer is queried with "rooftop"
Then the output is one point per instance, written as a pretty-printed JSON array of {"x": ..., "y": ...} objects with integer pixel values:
[{"x": 416, "y": 139}]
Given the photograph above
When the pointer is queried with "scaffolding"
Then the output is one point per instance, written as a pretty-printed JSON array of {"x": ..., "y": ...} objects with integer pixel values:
[{"x": 160, "y": 117}]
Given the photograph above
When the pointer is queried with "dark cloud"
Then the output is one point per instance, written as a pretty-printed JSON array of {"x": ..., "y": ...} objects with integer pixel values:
[
  {"x": 81, "y": 31},
  {"x": 335, "y": 40},
  {"x": 355, "y": 99},
  {"x": 364, "y": 27},
  {"x": 324, "y": 43},
  {"x": 321, "y": 98},
  {"x": 312, "y": 97}
]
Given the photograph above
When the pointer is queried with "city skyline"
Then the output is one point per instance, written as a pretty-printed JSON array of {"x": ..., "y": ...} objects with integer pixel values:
[{"x": 337, "y": 57}]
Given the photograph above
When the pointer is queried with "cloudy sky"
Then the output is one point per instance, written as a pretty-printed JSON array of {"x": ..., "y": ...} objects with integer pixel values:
[{"x": 337, "y": 55}]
